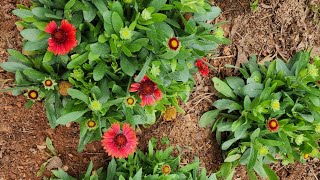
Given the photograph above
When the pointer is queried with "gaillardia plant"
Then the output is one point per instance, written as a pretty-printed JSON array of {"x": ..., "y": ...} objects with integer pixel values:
[
  {"x": 85, "y": 58},
  {"x": 268, "y": 114}
]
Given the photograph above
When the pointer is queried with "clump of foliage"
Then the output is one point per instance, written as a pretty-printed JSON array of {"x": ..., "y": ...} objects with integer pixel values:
[
  {"x": 268, "y": 114},
  {"x": 98, "y": 62},
  {"x": 156, "y": 164}
]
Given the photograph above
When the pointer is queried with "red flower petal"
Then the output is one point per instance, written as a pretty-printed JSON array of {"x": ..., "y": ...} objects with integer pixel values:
[
  {"x": 51, "y": 27},
  {"x": 134, "y": 87},
  {"x": 158, "y": 94},
  {"x": 111, "y": 147}
]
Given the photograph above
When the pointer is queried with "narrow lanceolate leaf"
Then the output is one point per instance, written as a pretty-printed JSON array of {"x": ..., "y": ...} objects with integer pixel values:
[
  {"x": 76, "y": 94},
  {"x": 208, "y": 118},
  {"x": 252, "y": 157},
  {"x": 70, "y": 117},
  {"x": 232, "y": 158},
  {"x": 270, "y": 173},
  {"x": 50, "y": 146},
  {"x": 78, "y": 61},
  {"x": 223, "y": 88}
]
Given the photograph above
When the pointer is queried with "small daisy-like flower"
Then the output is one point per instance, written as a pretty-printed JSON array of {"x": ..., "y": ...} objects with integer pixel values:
[
  {"x": 125, "y": 33},
  {"x": 49, "y": 83},
  {"x": 130, "y": 101},
  {"x": 299, "y": 139},
  {"x": 63, "y": 38},
  {"x": 91, "y": 124},
  {"x": 166, "y": 169},
  {"x": 146, "y": 14},
  {"x": 275, "y": 105},
  {"x": 202, "y": 67},
  {"x": 119, "y": 143},
  {"x": 174, "y": 43},
  {"x": 63, "y": 87},
  {"x": 95, "y": 105},
  {"x": 33, "y": 95},
  {"x": 263, "y": 151},
  {"x": 147, "y": 90},
  {"x": 170, "y": 114},
  {"x": 273, "y": 125},
  {"x": 306, "y": 156},
  {"x": 312, "y": 70}
]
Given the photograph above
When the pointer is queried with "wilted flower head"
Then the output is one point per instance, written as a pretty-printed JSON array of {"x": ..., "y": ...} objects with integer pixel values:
[
  {"x": 63, "y": 87},
  {"x": 63, "y": 38},
  {"x": 119, "y": 143},
  {"x": 166, "y": 169},
  {"x": 125, "y": 33},
  {"x": 273, "y": 125},
  {"x": 170, "y": 114}
]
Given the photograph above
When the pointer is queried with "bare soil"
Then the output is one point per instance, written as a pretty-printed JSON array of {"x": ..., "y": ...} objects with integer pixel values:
[{"x": 279, "y": 28}]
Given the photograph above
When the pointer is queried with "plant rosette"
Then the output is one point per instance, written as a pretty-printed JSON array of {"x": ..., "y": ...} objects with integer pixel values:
[
  {"x": 269, "y": 113},
  {"x": 95, "y": 51}
]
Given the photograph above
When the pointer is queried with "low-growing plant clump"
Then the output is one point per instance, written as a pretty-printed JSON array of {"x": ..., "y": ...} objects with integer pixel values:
[
  {"x": 100, "y": 62},
  {"x": 268, "y": 114}
]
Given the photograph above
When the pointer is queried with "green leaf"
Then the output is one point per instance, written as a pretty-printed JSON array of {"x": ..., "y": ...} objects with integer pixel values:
[
  {"x": 50, "y": 146},
  {"x": 90, "y": 13},
  {"x": 40, "y": 12},
  {"x": 208, "y": 118},
  {"x": 78, "y": 61},
  {"x": 22, "y": 13},
  {"x": 228, "y": 143},
  {"x": 70, "y": 117},
  {"x": 13, "y": 66},
  {"x": 117, "y": 22},
  {"x": 20, "y": 57},
  {"x": 270, "y": 173},
  {"x": 223, "y": 104},
  {"x": 76, "y": 94},
  {"x": 34, "y": 75},
  {"x": 223, "y": 88},
  {"x": 138, "y": 175},
  {"x": 255, "y": 134},
  {"x": 307, "y": 117},
  {"x": 232, "y": 158},
  {"x": 127, "y": 67},
  {"x": 253, "y": 89},
  {"x": 252, "y": 157},
  {"x": 157, "y": 4},
  {"x": 31, "y": 34},
  {"x": 144, "y": 69},
  {"x": 69, "y": 4},
  {"x": 101, "y": 49},
  {"x": 112, "y": 167},
  {"x": 214, "y": 12},
  {"x": 189, "y": 167},
  {"x": 126, "y": 51},
  {"x": 88, "y": 173},
  {"x": 41, "y": 44},
  {"x": 158, "y": 17},
  {"x": 252, "y": 175},
  {"x": 99, "y": 71}
]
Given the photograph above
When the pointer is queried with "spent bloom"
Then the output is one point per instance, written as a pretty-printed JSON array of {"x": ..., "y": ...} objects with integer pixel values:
[
  {"x": 263, "y": 151},
  {"x": 202, "y": 67},
  {"x": 170, "y": 114},
  {"x": 63, "y": 87},
  {"x": 146, "y": 14},
  {"x": 95, "y": 105},
  {"x": 119, "y": 143},
  {"x": 312, "y": 70},
  {"x": 299, "y": 139},
  {"x": 147, "y": 90},
  {"x": 63, "y": 38}
]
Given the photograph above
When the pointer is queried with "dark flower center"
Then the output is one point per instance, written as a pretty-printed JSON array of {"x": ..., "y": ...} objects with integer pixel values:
[
  {"x": 48, "y": 83},
  {"x": 59, "y": 36},
  {"x": 147, "y": 87},
  {"x": 33, "y": 94},
  {"x": 120, "y": 140}
]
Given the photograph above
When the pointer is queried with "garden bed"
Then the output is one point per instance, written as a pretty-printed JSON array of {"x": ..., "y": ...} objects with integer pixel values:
[{"x": 267, "y": 32}]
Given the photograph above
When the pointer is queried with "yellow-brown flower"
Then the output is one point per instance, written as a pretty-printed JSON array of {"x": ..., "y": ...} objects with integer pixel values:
[
  {"x": 63, "y": 87},
  {"x": 273, "y": 125},
  {"x": 166, "y": 169},
  {"x": 170, "y": 114}
]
